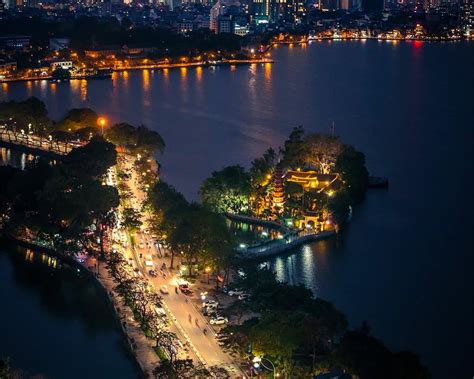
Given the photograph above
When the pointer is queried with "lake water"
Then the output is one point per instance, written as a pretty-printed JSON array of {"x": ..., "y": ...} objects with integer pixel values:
[
  {"x": 55, "y": 322},
  {"x": 405, "y": 263}
]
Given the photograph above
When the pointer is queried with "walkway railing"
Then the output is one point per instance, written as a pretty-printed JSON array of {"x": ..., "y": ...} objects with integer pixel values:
[
  {"x": 288, "y": 241},
  {"x": 35, "y": 142}
]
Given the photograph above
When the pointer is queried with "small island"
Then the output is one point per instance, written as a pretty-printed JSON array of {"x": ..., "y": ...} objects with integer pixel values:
[{"x": 306, "y": 189}]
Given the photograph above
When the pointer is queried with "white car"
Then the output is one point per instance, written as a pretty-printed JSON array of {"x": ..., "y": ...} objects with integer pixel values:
[
  {"x": 236, "y": 292},
  {"x": 210, "y": 303},
  {"x": 182, "y": 282},
  {"x": 164, "y": 289},
  {"x": 243, "y": 296},
  {"x": 219, "y": 320}
]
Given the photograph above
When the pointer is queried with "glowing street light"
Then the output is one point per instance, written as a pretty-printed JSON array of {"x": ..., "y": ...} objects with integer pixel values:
[
  {"x": 257, "y": 362},
  {"x": 101, "y": 121}
]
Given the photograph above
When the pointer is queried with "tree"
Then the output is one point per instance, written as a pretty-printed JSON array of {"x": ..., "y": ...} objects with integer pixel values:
[
  {"x": 227, "y": 190},
  {"x": 294, "y": 150},
  {"x": 149, "y": 141},
  {"x": 77, "y": 119},
  {"x": 139, "y": 139},
  {"x": 339, "y": 206},
  {"x": 179, "y": 369},
  {"x": 4, "y": 368},
  {"x": 169, "y": 208},
  {"x": 30, "y": 115},
  {"x": 261, "y": 169},
  {"x": 278, "y": 335},
  {"x": 350, "y": 164},
  {"x": 322, "y": 151},
  {"x": 93, "y": 159},
  {"x": 131, "y": 218},
  {"x": 61, "y": 74}
]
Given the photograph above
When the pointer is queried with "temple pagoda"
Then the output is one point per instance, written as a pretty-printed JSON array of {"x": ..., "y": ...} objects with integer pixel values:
[{"x": 278, "y": 195}]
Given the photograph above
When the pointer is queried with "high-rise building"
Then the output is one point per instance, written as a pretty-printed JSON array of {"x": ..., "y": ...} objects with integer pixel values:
[
  {"x": 216, "y": 11},
  {"x": 279, "y": 10},
  {"x": 261, "y": 8}
]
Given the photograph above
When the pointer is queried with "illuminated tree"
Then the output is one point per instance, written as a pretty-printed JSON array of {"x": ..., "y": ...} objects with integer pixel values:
[
  {"x": 227, "y": 190},
  {"x": 322, "y": 151}
]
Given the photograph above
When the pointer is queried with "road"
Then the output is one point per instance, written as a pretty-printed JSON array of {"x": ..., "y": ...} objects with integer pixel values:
[{"x": 202, "y": 348}]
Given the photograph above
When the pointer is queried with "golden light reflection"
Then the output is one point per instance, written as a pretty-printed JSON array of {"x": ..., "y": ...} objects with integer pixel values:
[
  {"x": 184, "y": 72},
  {"x": 83, "y": 89},
  {"x": 233, "y": 67},
  {"x": 199, "y": 73},
  {"x": 166, "y": 73},
  {"x": 29, "y": 255},
  {"x": 5, "y": 87},
  {"x": 268, "y": 72},
  {"x": 125, "y": 78},
  {"x": 29, "y": 88},
  {"x": 4, "y": 155},
  {"x": 146, "y": 80},
  {"x": 75, "y": 85},
  {"x": 54, "y": 87}
]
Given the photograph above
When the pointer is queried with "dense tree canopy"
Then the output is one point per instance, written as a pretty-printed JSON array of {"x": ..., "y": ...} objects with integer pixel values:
[
  {"x": 305, "y": 336},
  {"x": 196, "y": 231},
  {"x": 28, "y": 115},
  {"x": 77, "y": 119},
  {"x": 350, "y": 164},
  {"x": 227, "y": 190},
  {"x": 67, "y": 204},
  {"x": 92, "y": 159},
  {"x": 135, "y": 139}
]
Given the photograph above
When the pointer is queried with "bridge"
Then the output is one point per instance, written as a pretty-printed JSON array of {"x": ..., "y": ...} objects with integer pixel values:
[{"x": 36, "y": 144}]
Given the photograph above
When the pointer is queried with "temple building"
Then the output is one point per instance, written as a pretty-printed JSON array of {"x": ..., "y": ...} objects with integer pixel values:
[
  {"x": 311, "y": 180},
  {"x": 278, "y": 195}
]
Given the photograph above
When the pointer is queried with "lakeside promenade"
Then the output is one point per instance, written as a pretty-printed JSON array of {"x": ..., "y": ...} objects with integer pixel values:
[
  {"x": 160, "y": 66},
  {"x": 290, "y": 240}
]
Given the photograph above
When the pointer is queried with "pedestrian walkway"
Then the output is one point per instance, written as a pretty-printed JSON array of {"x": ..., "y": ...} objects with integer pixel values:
[{"x": 142, "y": 347}]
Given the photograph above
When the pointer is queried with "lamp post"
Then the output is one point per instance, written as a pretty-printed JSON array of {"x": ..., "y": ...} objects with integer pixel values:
[
  {"x": 258, "y": 361},
  {"x": 208, "y": 270},
  {"x": 101, "y": 121}
]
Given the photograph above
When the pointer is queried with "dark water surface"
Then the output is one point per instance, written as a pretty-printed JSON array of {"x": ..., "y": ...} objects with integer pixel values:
[
  {"x": 405, "y": 263},
  {"x": 56, "y": 322}
]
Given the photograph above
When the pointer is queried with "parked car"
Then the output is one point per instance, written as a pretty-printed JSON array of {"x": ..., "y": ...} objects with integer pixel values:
[
  {"x": 153, "y": 273},
  {"x": 243, "y": 296},
  {"x": 186, "y": 291},
  {"x": 219, "y": 320},
  {"x": 236, "y": 292},
  {"x": 223, "y": 336},
  {"x": 210, "y": 313},
  {"x": 160, "y": 311},
  {"x": 164, "y": 289},
  {"x": 210, "y": 303}
]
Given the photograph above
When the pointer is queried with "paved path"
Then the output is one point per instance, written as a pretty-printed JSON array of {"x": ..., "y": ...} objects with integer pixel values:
[{"x": 202, "y": 348}]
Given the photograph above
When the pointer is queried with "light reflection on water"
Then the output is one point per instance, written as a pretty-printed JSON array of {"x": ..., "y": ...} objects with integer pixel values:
[{"x": 233, "y": 114}]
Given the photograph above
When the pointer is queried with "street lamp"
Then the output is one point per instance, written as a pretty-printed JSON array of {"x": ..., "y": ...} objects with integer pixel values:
[
  {"x": 258, "y": 361},
  {"x": 101, "y": 121},
  {"x": 208, "y": 270}
]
